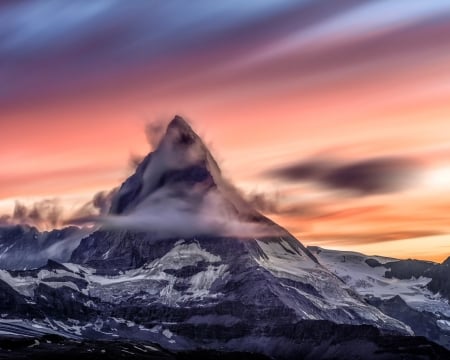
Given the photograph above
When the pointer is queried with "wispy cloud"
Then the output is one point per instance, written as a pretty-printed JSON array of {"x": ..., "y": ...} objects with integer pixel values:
[
  {"x": 367, "y": 237},
  {"x": 48, "y": 214},
  {"x": 365, "y": 177}
]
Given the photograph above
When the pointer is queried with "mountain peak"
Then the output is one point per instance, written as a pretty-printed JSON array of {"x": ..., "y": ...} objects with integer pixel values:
[
  {"x": 180, "y": 123},
  {"x": 179, "y": 132},
  {"x": 178, "y": 191},
  {"x": 180, "y": 163}
]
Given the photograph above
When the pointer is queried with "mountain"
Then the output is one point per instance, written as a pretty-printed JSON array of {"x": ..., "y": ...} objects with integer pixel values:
[
  {"x": 412, "y": 291},
  {"x": 201, "y": 252},
  {"x": 184, "y": 262},
  {"x": 25, "y": 247}
]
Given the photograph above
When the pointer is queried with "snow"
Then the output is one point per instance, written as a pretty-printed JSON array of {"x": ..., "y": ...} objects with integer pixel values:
[
  {"x": 58, "y": 284},
  {"x": 284, "y": 262},
  {"x": 370, "y": 281},
  {"x": 143, "y": 279},
  {"x": 160, "y": 281},
  {"x": 151, "y": 348},
  {"x": 127, "y": 352},
  {"x": 36, "y": 343},
  {"x": 73, "y": 329},
  {"x": 284, "y": 259},
  {"x": 202, "y": 281},
  {"x": 22, "y": 327},
  {"x": 7, "y": 333},
  {"x": 27, "y": 284},
  {"x": 288, "y": 264},
  {"x": 23, "y": 285},
  {"x": 78, "y": 269},
  {"x": 182, "y": 255},
  {"x": 444, "y": 324},
  {"x": 6, "y": 249}
]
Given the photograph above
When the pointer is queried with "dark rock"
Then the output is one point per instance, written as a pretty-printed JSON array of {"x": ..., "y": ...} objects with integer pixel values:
[
  {"x": 406, "y": 269},
  {"x": 373, "y": 263}
]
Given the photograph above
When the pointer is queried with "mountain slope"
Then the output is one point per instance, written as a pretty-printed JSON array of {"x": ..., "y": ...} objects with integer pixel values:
[
  {"x": 24, "y": 247},
  {"x": 399, "y": 288}
]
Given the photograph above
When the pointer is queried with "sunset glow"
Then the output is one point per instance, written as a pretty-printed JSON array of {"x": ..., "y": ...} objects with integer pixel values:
[{"x": 272, "y": 87}]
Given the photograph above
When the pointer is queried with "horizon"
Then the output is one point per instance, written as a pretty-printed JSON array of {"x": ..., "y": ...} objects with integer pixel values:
[{"x": 335, "y": 126}]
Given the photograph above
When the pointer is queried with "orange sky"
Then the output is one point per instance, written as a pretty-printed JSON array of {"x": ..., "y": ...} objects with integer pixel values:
[{"x": 270, "y": 86}]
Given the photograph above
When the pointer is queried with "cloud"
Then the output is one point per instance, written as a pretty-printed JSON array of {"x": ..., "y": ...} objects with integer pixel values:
[
  {"x": 351, "y": 212},
  {"x": 275, "y": 204},
  {"x": 103, "y": 199},
  {"x": 178, "y": 191},
  {"x": 62, "y": 250},
  {"x": 99, "y": 205},
  {"x": 154, "y": 132},
  {"x": 363, "y": 178},
  {"x": 49, "y": 214},
  {"x": 164, "y": 216},
  {"x": 44, "y": 214},
  {"x": 355, "y": 238},
  {"x": 90, "y": 43},
  {"x": 134, "y": 161}
]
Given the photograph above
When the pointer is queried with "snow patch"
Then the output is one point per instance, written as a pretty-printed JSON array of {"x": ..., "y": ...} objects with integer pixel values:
[
  {"x": 352, "y": 268},
  {"x": 444, "y": 324}
]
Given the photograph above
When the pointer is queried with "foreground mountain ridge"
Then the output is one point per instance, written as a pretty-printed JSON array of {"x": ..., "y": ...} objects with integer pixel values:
[{"x": 183, "y": 261}]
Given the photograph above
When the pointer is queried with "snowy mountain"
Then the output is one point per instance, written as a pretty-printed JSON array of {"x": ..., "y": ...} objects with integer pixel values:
[
  {"x": 24, "y": 247},
  {"x": 183, "y": 261},
  {"x": 403, "y": 289}
]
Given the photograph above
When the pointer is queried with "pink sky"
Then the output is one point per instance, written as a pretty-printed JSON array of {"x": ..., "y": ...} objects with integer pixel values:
[{"x": 267, "y": 89}]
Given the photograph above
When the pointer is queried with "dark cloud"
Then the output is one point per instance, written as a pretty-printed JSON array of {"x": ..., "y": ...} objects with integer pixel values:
[
  {"x": 275, "y": 204},
  {"x": 5, "y": 220},
  {"x": 134, "y": 161},
  {"x": 48, "y": 214},
  {"x": 308, "y": 170},
  {"x": 45, "y": 214},
  {"x": 154, "y": 132},
  {"x": 98, "y": 206},
  {"x": 373, "y": 176},
  {"x": 366, "y": 177},
  {"x": 85, "y": 43},
  {"x": 103, "y": 199}
]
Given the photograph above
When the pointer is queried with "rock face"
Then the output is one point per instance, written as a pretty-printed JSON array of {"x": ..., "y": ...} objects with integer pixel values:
[
  {"x": 411, "y": 291},
  {"x": 182, "y": 260},
  {"x": 24, "y": 247}
]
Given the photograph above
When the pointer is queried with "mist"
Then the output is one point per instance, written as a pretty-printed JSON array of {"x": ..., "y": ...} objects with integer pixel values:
[{"x": 179, "y": 191}]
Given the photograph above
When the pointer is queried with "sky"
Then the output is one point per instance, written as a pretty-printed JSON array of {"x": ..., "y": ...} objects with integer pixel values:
[{"x": 332, "y": 117}]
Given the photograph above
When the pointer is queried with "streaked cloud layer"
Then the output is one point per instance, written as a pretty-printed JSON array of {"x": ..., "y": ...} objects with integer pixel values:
[{"x": 272, "y": 84}]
